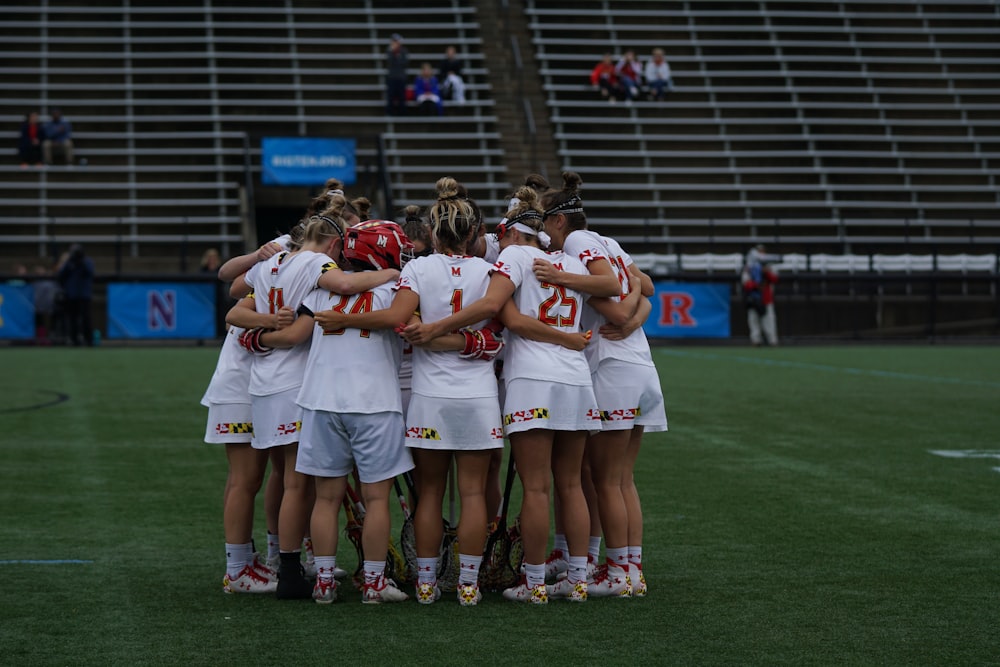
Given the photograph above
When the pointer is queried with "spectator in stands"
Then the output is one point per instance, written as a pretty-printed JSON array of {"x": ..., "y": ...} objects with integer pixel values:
[
  {"x": 29, "y": 146},
  {"x": 450, "y": 77},
  {"x": 603, "y": 78},
  {"x": 58, "y": 134},
  {"x": 427, "y": 93},
  {"x": 211, "y": 261},
  {"x": 629, "y": 75},
  {"x": 758, "y": 279},
  {"x": 658, "y": 76},
  {"x": 397, "y": 60},
  {"x": 75, "y": 273}
]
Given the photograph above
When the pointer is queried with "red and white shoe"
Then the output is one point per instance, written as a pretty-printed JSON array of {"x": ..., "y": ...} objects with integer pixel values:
[
  {"x": 575, "y": 591},
  {"x": 525, "y": 593},
  {"x": 555, "y": 564},
  {"x": 610, "y": 581},
  {"x": 248, "y": 580},
  {"x": 263, "y": 568},
  {"x": 324, "y": 591},
  {"x": 383, "y": 590}
]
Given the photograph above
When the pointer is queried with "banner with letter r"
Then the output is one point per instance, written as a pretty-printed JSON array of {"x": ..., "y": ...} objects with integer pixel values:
[{"x": 689, "y": 310}]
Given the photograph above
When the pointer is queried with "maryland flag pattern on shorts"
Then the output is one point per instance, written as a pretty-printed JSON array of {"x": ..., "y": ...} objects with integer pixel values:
[
  {"x": 625, "y": 414},
  {"x": 525, "y": 415},
  {"x": 233, "y": 428},
  {"x": 423, "y": 433}
]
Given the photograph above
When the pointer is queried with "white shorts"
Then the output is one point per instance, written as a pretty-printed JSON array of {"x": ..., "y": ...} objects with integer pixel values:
[
  {"x": 277, "y": 419},
  {"x": 535, "y": 404},
  {"x": 463, "y": 424},
  {"x": 332, "y": 444},
  {"x": 229, "y": 423},
  {"x": 629, "y": 395}
]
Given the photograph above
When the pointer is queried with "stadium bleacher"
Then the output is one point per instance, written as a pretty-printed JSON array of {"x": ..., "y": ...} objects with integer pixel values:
[
  {"x": 841, "y": 124},
  {"x": 823, "y": 128},
  {"x": 169, "y": 102}
]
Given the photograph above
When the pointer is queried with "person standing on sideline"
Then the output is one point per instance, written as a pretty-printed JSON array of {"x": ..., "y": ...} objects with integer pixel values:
[
  {"x": 58, "y": 134},
  {"x": 76, "y": 276},
  {"x": 658, "y": 76},
  {"x": 396, "y": 61},
  {"x": 758, "y": 279}
]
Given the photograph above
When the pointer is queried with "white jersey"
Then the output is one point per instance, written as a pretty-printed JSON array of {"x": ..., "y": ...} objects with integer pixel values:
[
  {"x": 635, "y": 348},
  {"x": 283, "y": 281},
  {"x": 492, "y": 248},
  {"x": 351, "y": 370},
  {"x": 444, "y": 283},
  {"x": 231, "y": 381},
  {"x": 553, "y": 305}
]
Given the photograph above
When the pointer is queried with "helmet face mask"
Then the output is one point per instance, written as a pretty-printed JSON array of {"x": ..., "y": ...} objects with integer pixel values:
[{"x": 380, "y": 244}]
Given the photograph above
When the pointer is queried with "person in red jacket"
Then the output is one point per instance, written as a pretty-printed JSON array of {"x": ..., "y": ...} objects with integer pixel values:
[
  {"x": 604, "y": 78},
  {"x": 758, "y": 278}
]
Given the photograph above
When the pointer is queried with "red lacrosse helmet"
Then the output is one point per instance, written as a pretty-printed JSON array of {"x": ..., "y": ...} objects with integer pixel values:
[{"x": 381, "y": 244}]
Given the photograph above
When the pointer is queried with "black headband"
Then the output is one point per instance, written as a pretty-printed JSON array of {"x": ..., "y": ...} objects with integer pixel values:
[{"x": 572, "y": 205}]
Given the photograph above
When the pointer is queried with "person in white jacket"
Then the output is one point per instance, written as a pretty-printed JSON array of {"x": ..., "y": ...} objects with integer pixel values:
[{"x": 658, "y": 76}]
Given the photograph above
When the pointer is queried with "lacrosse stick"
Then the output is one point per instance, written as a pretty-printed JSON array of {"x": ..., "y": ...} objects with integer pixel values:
[
  {"x": 407, "y": 538},
  {"x": 353, "y": 530},
  {"x": 448, "y": 566},
  {"x": 495, "y": 573}
]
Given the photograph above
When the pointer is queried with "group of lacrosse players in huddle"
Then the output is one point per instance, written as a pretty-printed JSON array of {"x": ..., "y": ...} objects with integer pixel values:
[{"x": 368, "y": 349}]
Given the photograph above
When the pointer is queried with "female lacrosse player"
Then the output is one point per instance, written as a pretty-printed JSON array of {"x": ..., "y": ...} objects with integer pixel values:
[
  {"x": 549, "y": 406},
  {"x": 625, "y": 380},
  {"x": 453, "y": 412},
  {"x": 229, "y": 422},
  {"x": 352, "y": 413},
  {"x": 281, "y": 283}
]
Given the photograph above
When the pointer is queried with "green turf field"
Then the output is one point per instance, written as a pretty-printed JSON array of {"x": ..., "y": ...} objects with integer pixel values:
[{"x": 795, "y": 514}]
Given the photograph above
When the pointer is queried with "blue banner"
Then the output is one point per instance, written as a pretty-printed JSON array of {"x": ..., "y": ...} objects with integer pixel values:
[
  {"x": 161, "y": 310},
  {"x": 689, "y": 310},
  {"x": 17, "y": 311},
  {"x": 307, "y": 160}
]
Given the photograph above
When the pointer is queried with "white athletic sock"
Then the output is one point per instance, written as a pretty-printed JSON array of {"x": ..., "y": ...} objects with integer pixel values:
[
  {"x": 307, "y": 546},
  {"x": 325, "y": 565},
  {"x": 594, "y": 549},
  {"x": 577, "y": 570},
  {"x": 427, "y": 570},
  {"x": 534, "y": 574},
  {"x": 468, "y": 568},
  {"x": 634, "y": 560},
  {"x": 373, "y": 570},
  {"x": 272, "y": 547},
  {"x": 237, "y": 556},
  {"x": 617, "y": 557},
  {"x": 559, "y": 544}
]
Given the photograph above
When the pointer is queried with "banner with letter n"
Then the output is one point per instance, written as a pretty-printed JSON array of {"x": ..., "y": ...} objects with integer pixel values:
[
  {"x": 17, "y": 311},
  {"x": 689, "y": 310},
  {"x": 161, "y": 310},
  {"x": 307, "y": 160}
]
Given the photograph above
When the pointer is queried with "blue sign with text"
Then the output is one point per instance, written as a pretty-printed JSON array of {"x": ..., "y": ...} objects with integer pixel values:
[{"x": 307, "y": 160}]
